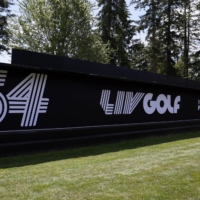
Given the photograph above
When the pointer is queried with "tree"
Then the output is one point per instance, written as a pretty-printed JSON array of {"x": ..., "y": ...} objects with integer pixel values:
[
  {"x": 115, "y": 27},
  {"x": 149, "y": 21},
  {"x": 4, "y": 15},
  {"x": 161, "y": 21},
  {"x": 58, "y": 27},
  {"x": 190, "y": 33},
  {"x": 139, "y": 56}
]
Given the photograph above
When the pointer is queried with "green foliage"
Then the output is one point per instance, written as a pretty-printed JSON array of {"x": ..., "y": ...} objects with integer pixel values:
[
  {"x": 194, "y": 71},
  {"x": 5, "y": 13},
  {"x": 115, "y": 27},
  {"x": 139, "y": 56},
  {"x": 150, "y": 22},
  {"x": 172, "y": 33},
  {"x": 160, "y": 21},
  {"x": 58, "y": 27}
]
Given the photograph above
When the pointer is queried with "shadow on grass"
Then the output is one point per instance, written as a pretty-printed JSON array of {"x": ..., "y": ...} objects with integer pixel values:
[{"x": 37, "y": 158}]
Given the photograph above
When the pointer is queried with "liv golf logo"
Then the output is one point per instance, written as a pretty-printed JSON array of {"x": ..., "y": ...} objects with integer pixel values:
[
  {"x": 126, "y": 102},
  {"x": 26, "y": 98}
]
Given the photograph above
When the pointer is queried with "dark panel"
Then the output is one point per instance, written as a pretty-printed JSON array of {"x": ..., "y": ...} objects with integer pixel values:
[
  {"x": 38, "y": 100},
  {"x": 45, "y": 61}
]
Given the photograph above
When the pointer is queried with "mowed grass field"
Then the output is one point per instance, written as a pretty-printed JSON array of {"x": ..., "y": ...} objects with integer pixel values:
[{"x": 161, "y": 168}]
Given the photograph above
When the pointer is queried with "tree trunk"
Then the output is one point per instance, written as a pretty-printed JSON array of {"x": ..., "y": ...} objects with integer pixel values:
[
  {"x": 186, "y": 36},
  {"x": 112, "y": 56},
  {"x": 154, "y": 37},
  {"x": 188, "y": 39},
  {"x": 169, "y": 65}
]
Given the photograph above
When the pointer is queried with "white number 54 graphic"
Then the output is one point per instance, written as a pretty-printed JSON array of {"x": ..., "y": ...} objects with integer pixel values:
[{"x": 26, "y": 98}]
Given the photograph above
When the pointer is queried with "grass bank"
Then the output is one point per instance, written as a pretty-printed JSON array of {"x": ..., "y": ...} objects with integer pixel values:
[{"x": 153, "y": 168}]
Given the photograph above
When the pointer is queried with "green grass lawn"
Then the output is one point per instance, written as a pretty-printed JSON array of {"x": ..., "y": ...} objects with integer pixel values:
[{"x": 153, "y": 168}]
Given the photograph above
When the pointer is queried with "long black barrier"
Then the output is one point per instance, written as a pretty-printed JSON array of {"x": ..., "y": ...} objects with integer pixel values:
[{"x": 48, "y": 101}]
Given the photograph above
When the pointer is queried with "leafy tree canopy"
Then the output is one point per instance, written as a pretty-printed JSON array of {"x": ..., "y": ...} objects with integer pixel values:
[{"x": 58, "y": 27}]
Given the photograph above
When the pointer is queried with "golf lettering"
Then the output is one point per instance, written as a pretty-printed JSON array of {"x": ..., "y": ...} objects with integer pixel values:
[
  {"x": 151, "y": 106},
  {"x": 126, "y": 102}
]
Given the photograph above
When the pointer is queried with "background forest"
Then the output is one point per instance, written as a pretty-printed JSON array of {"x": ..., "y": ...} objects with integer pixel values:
[{"x": 103, "y": 31}]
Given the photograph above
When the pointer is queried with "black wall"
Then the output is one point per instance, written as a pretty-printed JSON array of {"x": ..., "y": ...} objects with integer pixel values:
[{"x": 35, "y": 98}]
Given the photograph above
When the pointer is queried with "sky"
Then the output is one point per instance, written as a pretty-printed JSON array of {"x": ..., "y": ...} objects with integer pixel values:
[{"x": 4, "y": 58}]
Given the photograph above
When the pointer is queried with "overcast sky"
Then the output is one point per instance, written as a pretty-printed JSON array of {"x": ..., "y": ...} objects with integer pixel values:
[{"x": 134, "y": 15}]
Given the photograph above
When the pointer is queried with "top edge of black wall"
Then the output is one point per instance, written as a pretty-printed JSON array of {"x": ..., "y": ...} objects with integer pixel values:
[{"x": 58, "y": 63}]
